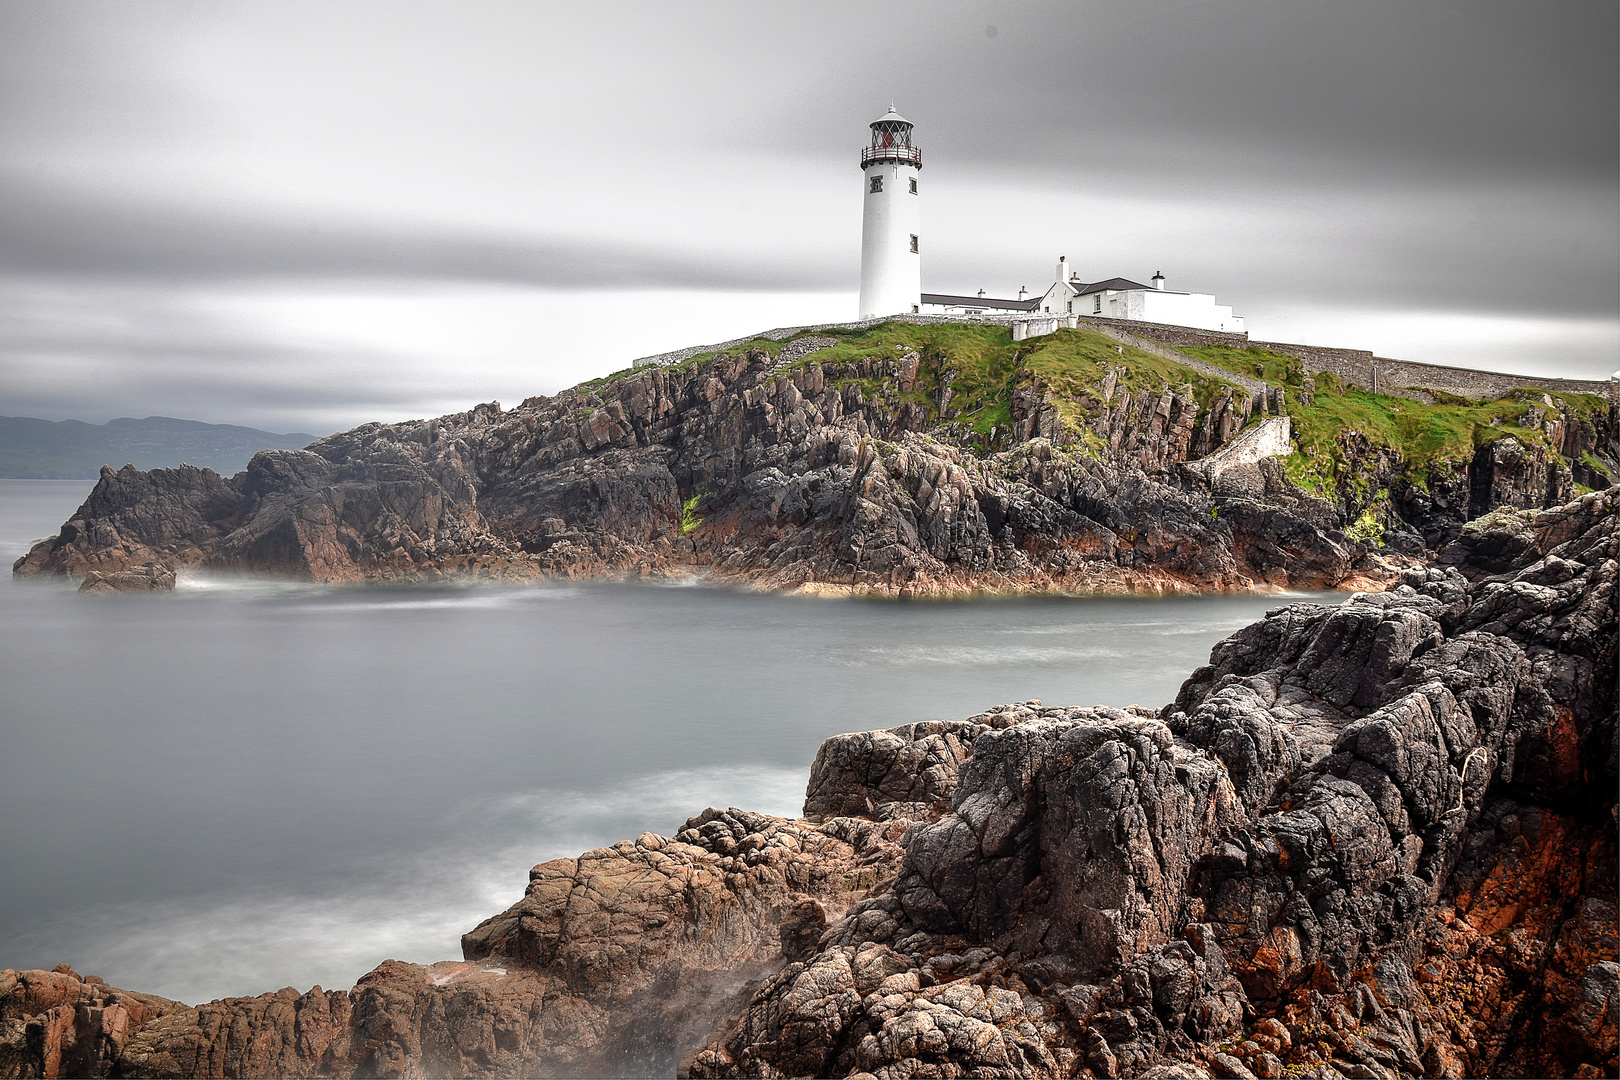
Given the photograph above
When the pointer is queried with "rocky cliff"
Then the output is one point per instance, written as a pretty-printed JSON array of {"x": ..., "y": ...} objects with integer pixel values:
[
  {"x": 1375, "y": 839},
  {"x": 899, "y": 459},
  {"x": 1412, "y": 466}
]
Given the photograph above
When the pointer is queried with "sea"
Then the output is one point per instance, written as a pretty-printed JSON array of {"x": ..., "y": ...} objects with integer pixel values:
[{"x": 251, "y": 784}]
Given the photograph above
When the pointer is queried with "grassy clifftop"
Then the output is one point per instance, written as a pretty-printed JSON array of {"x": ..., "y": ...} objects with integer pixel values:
[
  {"x": 967, "y": 375},
  {"x": 1439, "y": 437},
  {"x": 981, "y": 367}
]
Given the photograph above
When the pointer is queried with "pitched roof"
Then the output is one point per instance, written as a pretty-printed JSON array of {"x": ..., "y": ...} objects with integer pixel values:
[
  {"x": 1083, "y": 288},
  {"x": 948, "y": 300}
]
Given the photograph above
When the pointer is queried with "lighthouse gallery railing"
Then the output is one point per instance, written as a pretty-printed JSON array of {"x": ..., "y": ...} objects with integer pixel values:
[{"x": 909, "y": 154}]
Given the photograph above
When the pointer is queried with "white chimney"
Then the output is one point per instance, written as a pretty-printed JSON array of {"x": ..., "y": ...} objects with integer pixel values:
[
  {"x": 1022, "y": 292},
  {"x": 1158, "y": 280},
  {"x": 1062, "y": 269}
]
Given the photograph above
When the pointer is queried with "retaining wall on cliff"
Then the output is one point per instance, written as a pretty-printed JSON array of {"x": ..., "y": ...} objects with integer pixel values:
[
  {"x": 1268, "y": 439},
  {"x": 1166, "y": 334},
  {"x": 1360, "y": 367}
]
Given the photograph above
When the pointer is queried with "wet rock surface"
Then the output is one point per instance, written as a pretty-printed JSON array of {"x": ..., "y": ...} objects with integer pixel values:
[
  {"x": 1374, "y": 839},
  {"x": 1369, "y": 840},
  {"x": 737, "y": 470}
]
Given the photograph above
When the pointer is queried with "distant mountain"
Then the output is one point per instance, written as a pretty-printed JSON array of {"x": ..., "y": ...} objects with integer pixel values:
[{"x": 73, "y": 450}]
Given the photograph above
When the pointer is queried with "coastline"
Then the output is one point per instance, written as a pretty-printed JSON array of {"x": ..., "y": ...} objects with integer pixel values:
[{"x": 1294, "y": 866}]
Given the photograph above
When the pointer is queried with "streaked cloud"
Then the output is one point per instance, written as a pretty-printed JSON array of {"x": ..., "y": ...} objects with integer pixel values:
[{"x": 231, "y": 210}]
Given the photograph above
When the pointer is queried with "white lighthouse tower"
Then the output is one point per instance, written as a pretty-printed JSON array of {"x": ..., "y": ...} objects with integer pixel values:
[{"x": 891, "y": 265}]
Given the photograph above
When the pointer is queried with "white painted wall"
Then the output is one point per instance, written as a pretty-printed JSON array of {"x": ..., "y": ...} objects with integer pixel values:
[
  {"x": 1057, "y": 300},
  {"x": 1181, "y": 309},
  {"x": 891, "y": 273},
  {"x": 1148, "y": 305}
]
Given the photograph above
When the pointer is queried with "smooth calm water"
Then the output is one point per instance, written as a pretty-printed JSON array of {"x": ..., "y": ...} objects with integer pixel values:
[{"x": 242, "y": 786}]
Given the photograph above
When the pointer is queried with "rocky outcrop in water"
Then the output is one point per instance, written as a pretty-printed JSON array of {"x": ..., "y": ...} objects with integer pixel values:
[
  {"x": 612, "y": 964},
  {"x": 1370, "y": 840},
  {"x": 818, "y": 477}
]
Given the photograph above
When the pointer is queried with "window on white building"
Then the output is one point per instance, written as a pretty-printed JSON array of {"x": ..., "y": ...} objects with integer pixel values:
[
  {"x": 877, "y": 184},
  {"x": 1096, "y": 304},
  {"x": 914, "y": 243},
  {"x": 914, "y": 186}
]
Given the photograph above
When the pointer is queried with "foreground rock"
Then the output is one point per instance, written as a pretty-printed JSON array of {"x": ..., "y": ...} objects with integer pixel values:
[
  {"x": 825, "y": 478},
  {"x": 1370, "y": 840},
  {"x": 148, "y": 577}
]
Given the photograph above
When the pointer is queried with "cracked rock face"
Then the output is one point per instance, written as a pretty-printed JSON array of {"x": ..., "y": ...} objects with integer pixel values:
[
  {"x": 1376, "y": 839},
  {"x": 1284, "y": 873},
  {"x": 736, "y": 471}
]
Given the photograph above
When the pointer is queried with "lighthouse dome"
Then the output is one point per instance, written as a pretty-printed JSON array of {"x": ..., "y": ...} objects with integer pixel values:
[{"x": 891, "y": 117}]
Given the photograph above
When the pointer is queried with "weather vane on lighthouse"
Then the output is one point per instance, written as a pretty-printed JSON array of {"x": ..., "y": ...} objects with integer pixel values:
[{"x": 891, "y": 264}]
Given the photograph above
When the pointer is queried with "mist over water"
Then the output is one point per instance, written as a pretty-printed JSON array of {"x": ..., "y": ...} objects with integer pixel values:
[{"x": 246, "y": 785}]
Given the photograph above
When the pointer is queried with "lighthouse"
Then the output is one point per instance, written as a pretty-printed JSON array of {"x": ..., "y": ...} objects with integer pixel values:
[{"x": 891, "y": 261}]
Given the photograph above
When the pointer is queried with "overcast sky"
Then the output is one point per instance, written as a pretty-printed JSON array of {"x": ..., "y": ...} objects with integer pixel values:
[{"x": 303, "y": 216}]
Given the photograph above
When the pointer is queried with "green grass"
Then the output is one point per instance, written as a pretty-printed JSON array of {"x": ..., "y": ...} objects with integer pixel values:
[
  {"x": 1275, "y": 368},
  {"x": 770, "y": 346},
  {"x": 982, "y": 362},
  {"x": 1367, "y": 529},
  {"x": 985, "y": 365},
  {"x": 1075, "y": 363},
  {"x": 1424, "y": 436},
  {"x": 689, "y": 515},
  {"x": 1442, "y": 436},
  {"x": 595, "y": 386},
  {"x": 1586, "y": 406}
]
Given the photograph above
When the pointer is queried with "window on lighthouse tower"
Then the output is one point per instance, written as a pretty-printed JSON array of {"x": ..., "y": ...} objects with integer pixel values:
[
  {"x": 914, "y": 186},
  {"x": 877, "y": 184}
]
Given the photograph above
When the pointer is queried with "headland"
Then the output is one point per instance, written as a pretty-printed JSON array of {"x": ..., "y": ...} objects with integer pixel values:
[{"x": 916, "y": 456}]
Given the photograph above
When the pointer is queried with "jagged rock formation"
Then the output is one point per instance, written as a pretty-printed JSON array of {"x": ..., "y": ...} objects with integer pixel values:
[
  {"x": 611, "y": 965},
  {"x": 899, "y": 459},
  {"x": 1370, "y": 840},
  {"x": 779, "y": 472}
]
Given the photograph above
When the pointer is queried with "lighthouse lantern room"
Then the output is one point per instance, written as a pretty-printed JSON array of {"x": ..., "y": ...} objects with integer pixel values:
[{"x": 891, "y": 260}]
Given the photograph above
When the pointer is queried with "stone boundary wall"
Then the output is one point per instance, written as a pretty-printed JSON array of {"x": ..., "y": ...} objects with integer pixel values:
[
  {"x": 1165, "y": 334},
  {"x": 1358, "y": 367}
]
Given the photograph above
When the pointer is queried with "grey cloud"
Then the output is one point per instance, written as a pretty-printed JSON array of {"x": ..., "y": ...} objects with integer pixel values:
[
  {"x": 79, "y": 233},
  {"x": 1507, "y": 89},
  {"x": 1377, "y": 156}
]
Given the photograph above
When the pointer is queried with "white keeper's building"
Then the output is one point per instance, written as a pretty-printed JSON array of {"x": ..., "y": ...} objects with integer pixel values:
[
  {"x": 891, "y": 258},
  {"x": 1121, "y": 298}
]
